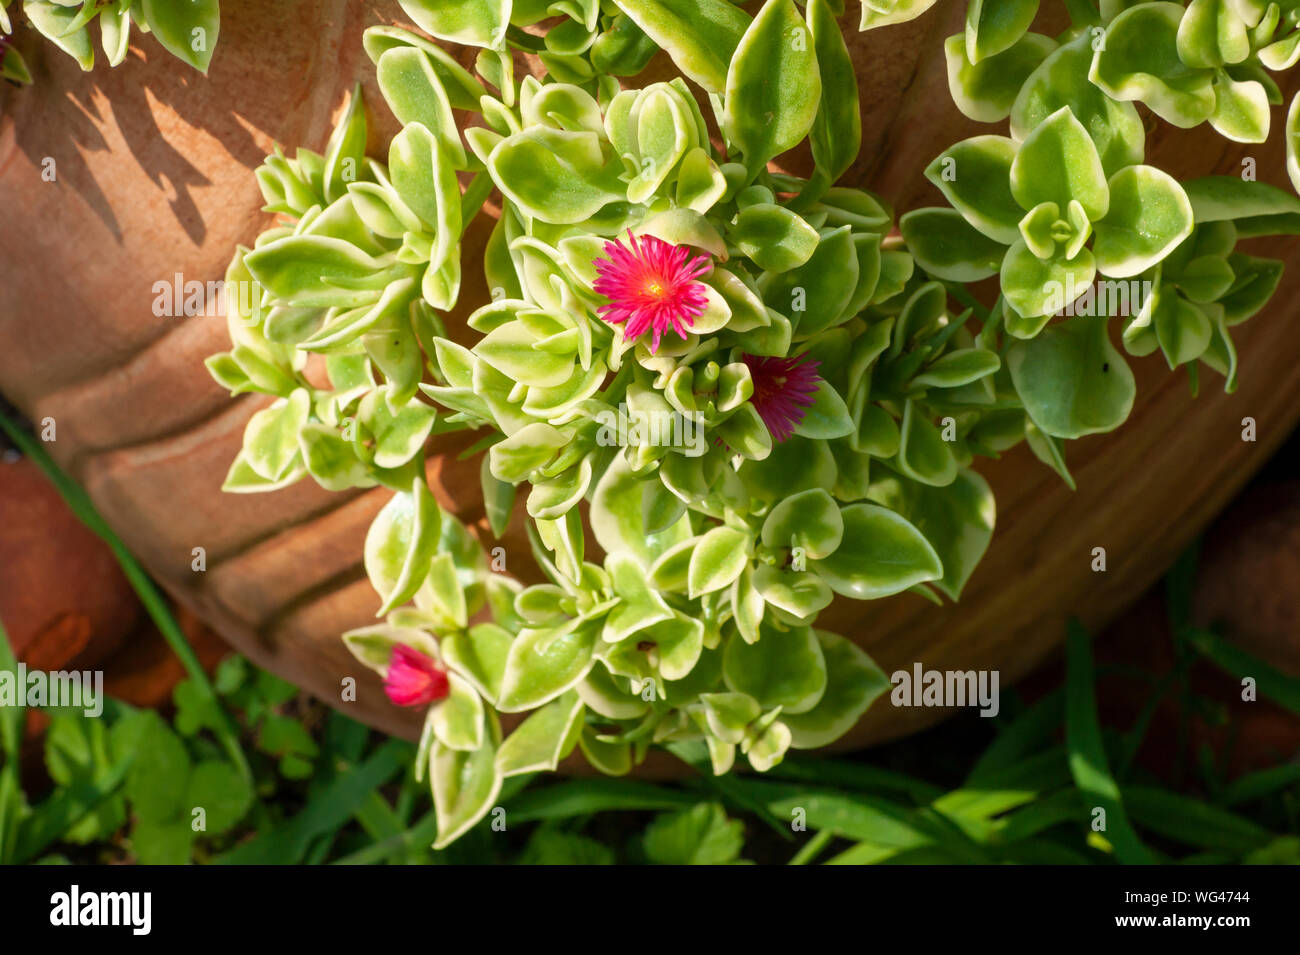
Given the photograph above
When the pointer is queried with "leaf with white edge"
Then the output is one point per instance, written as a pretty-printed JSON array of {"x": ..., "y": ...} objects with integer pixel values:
[
  {"x": 401, "y": 543},
  {"x": 768, "y": 747},
  {"x": 717, "y": 559},
  {"x": 784, "y": 668},
  {"x": 465, "y": 785},
  {"x": 318, "y": 271},
  {"x": 948, "y": 247},
  {"x": 1062, "y": 80},
  {"x": 1212, "y": 34},
  {"x": 556, "y": 176},
  {"x": 995, "y": 25},
  {"x": 986, "y": 91},
  {"x": 701, "y": 36},
  {"x": 809, "y": 519},
  {"x": 1138, "y": 60},
  {"x": 975, "y": 176},
  {"x": 1058, "y": 162},
  {"x": 479, "y": 654},
  {"x": 1037, "y": 288},
  {"x": 1240, "y": 110},
  {"x": 271, "y": 436},
  {"x": 479, "y": 23},
  {"x": 957, "y": 521},
  {"x": 543, "y": 739},
  {"x": 799, "y": 596},
  {"x": 1072, "y": 380},
  {"x": 544, "y": 663},
  {"x": 727, "y": 714},
  {"x": 853, "y": 683},
  {"x": 458, "y": 719},
  {"x": 880, "y": 13},
  {"x": 187, "y": 29},
  {"x": 773, "y": 85},
  {"x": 1149, "y": 215},
  {"x": 882, "y": 554},
  {"x": 373, "y": 646},
  {"x": 415, "y": 93}
]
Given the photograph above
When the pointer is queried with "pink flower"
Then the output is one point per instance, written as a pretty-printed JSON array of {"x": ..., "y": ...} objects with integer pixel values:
[
  {"x": 783, "y": 390},
  {"x": 414, "y": 678},
  {"x": 651, "y": 285}
]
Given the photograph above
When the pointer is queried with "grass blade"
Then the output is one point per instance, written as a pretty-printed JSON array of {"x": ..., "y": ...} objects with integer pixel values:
[
  {"x": 80, "y": 505},
  {"x": 1087, "y": 754}
]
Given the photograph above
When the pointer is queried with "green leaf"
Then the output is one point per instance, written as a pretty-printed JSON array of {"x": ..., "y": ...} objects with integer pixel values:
[
  {"x": 1061, "y": 80},
  {"x": 1072, "y": 380},
  {"x": 975, "y": 176},
  {"x": 882, "y": 554},
  {"x": 717, "y": 559},
  {"x": 700, "y": 35},
  {"x": 853, "y": 683},
  {"x": 543, "y": 739},
  {"x": 457, "y": 720},
  {"x": 157, "y": 782},
  {"x": 479, "y": 654},
  {"x": 773, "y": 85},
  {"x": 401, "y": 543},
  {"x": 986, "y": 91},
  {"x": 810, "y": 520},
  {"x": 221, "y": 792},
  {"x": 995, "y": 25},
  {"x": 1212, "y": 34},
  {"x": 1037, "y": 288},
  {"x": 1058, "y": 162},
  {"x": 545, "y": 662},
  {"x": 187, "y": 29},
  {"x": 879, "y": 13},
  {"x": 701, "y": 835},
  {"x": 271, "y": 435},
  {"x": 556, "y": 176},
  {"x": 784, "y": 668},
  {"x": 414, "y": 91},
  {"x": 1149, "y": 215},
  {"x": 774, "y": 237},
  {"x": 948, "y": 247},
  {"x": 923, "y": 454},
  {"x": 464, "y": 788},
  {"x": 957, "y": 520},
  {"x": 472, "y": 22},
  {"x": 836, "y": 135},
  {"x": 1139, "y": 60}
]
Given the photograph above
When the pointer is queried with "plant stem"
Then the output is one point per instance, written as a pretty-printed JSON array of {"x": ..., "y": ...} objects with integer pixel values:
[{"x": 154, "y": 602}]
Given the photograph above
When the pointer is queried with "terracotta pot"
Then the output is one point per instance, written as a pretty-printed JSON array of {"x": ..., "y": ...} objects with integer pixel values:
[{"x": 153, "y": 178}]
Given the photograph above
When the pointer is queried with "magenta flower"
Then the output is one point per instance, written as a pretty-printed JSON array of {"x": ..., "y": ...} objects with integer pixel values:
[
  {"x": 651, "y": 285},
  {"x": 414, "y": 678},
  {"x": 783, "y": 390}
]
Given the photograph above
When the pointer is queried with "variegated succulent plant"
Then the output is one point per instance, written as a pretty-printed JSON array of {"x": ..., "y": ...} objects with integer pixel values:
[
  {"x": 187, "y": 29},
  {"x": 748, "y": 389}
]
